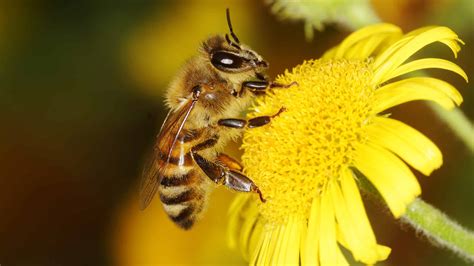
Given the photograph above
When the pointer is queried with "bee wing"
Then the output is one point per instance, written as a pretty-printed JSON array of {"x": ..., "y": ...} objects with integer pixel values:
[
  {"x": 149, "y": 181},
  {"x": 165, "y": 142}
]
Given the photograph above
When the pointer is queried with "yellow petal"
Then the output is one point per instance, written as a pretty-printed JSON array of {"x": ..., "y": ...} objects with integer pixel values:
[
  {"x": 382, "y": 62},
  {"x": 363, "y": 34},
  {"x": 427, "y": 35},
  {"x": 233, "y": 228},
  {"x": 269, "y": 243},
  {"x": 361, "y": 222},
  {"x": 425, "y": 64},
  {"x": 330, "y": 254},
  {"x": 237, "y": 204},
  {"x": 303, "y": 237},
  {"x": 289, "y": 253},
  {"x": 340, "y": 259},
  {"x": 353, "y": 222},
  {"x": 276, "y": 240},
  {"x": 346, "y": 225},
  {"x": 256, "y": 253},
  {"x": 312, "y": 236},
  {"x": 392, "y": 178},
  {"x": 411, "y": 89},
  {"x": 365, "y": 49},
  {"x": 453, "y": 45},
  {"x": 279, "y": 255},
  {"x": 352, "y": 198},
  {"x": 330, "y": 53},
  {"x": 412, "y": 146},
  {"x": 293, "y": 253},
  {"x": 243, "y": 228},
  {"x": 327, "y": 232},
  {"x": 419, "y": 31},
  {"x": 254, "y": 241},
  {"x": 410, "y": 44},
  {"x": 251, "y": 216}
]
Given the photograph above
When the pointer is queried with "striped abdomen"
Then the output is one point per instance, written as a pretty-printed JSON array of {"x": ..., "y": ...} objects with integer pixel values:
[{"x": 183, "y": 188}]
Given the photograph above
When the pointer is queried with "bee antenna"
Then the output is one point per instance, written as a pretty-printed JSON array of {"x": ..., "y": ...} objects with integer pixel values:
[
  {"x": 231, "y": 43},
  {"x": 227, "y": 39},
  {"x": 230, "y": 27}
]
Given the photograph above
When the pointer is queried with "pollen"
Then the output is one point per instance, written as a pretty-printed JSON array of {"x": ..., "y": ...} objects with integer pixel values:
[{"x": 313, "y": 141}]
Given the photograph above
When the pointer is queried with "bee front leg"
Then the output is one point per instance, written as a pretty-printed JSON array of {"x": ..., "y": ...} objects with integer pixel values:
[
  {"x": 250, "y": 123},
  {"x": 221, "y": 174}
]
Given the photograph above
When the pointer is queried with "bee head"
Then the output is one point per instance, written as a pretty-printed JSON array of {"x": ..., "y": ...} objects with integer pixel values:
[
  {"x": 231, "y": 56},
  {"x": 233, "y": 60}
]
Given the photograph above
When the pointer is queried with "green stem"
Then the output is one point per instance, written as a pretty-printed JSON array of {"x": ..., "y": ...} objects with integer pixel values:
[
  {"x": 440, "y": 228},
  {"x": 458, "y": 122},
  {"x": 431, "y": 222}
]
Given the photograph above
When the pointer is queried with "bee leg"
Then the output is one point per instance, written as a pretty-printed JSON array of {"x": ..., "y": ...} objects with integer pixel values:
[
  {"x": 237, "y": 181},
  {"x": 221, "y": 174},
  {"x": 230, "y": 162},
  {"x": 214, "y": 171},
  {"x": 261, "y": 86},
  {"x": 230, "y": 178},
  {"x": 251, "y": 123},
  {"x": 283, "y": 86}
]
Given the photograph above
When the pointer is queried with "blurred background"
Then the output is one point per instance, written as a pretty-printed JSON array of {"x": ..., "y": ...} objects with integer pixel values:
[{"x": 81, "y": 99}]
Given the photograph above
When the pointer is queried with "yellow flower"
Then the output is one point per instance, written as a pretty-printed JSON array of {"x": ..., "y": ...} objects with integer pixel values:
[{"x": 305, "y": 160}]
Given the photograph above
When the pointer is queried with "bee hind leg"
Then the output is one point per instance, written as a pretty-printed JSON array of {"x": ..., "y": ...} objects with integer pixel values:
[
  {"x": 237, "y": 181},
  {"x": 230, "y": 162},
  {"x": 223, "y": 173}
]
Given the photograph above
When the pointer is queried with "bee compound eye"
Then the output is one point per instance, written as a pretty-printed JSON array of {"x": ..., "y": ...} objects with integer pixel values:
[{"x": 225, "y": 60}]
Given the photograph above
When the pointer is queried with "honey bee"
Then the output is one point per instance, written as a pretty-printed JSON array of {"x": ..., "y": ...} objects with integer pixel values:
[{"x": 211, "y": 89}]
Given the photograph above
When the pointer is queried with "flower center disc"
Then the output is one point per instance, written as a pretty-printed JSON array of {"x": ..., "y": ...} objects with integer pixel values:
[{"x": 292, "y": 158}]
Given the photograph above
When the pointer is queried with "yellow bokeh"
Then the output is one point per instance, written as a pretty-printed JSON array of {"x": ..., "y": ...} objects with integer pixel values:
[
  {"x": 161, "y": 45},
  {"x": 150, "y": 237}
]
